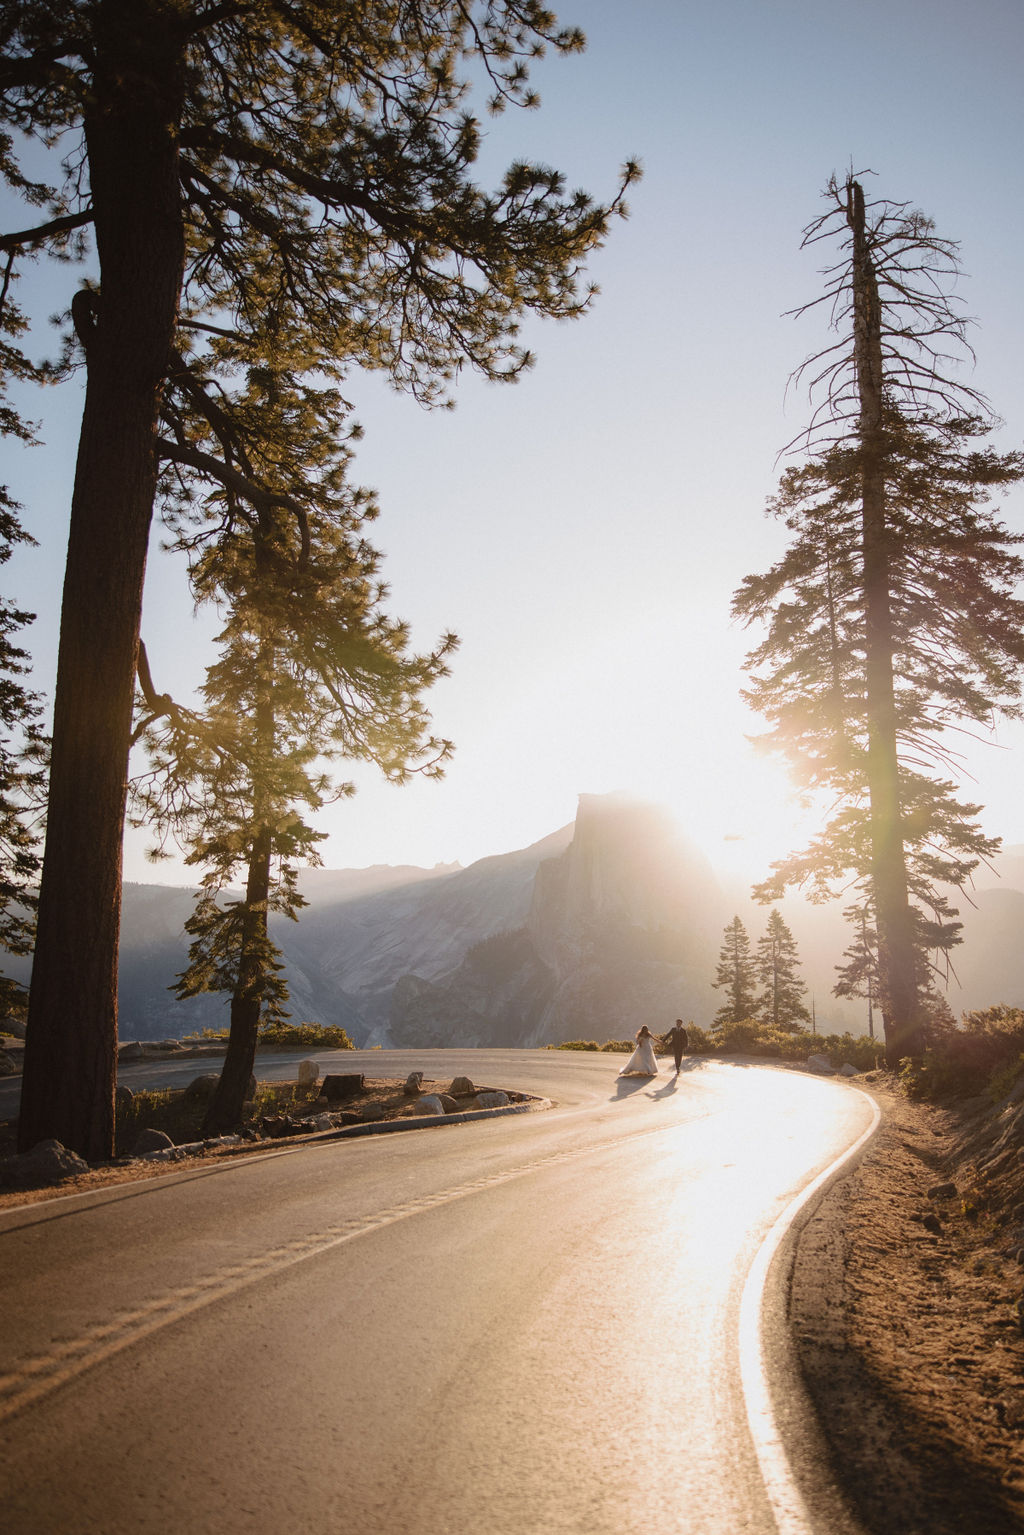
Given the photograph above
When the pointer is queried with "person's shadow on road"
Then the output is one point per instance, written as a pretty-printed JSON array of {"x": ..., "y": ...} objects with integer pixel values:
[
  {"x": 625, "y": 1087},
  {"x": 668, "y": 1089}
]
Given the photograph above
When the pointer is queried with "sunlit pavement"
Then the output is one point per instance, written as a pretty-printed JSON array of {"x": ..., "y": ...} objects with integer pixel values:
[{"x": 526, "y": 1324}]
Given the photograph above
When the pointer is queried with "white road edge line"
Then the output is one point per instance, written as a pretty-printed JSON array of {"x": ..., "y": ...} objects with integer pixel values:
[{"x": 788, "y": 1507}]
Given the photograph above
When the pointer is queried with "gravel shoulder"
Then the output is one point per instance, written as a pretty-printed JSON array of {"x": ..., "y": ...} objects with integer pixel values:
[{"x": 904, "y": 1309}]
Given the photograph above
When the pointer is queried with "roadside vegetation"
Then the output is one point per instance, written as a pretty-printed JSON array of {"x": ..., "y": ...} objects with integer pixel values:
[
  {"x": 180, "y": 1113},
  {"x": 981, "y": 1056},
  {"x": 749, "y": 1036},
  {"x": 984, "y": 1054},
  {"x": 282, "y": 1036}
]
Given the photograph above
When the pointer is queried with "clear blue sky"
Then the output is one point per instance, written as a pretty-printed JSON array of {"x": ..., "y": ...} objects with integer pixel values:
[{"x": 584, "y": 530}]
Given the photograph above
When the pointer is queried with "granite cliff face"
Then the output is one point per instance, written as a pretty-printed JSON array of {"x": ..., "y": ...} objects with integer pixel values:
[{"x": 616, "y": 934}]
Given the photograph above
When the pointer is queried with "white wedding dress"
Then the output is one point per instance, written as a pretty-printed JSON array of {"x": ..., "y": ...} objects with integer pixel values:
[{"x": 642, "y": 1062}]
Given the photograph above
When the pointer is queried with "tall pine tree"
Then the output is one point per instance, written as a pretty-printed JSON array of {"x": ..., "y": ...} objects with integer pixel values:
[
  {"x": 313, "y": 160},
  {"x": 311, "y": 671},
  {"x": 735, "y": 975},
  {"x": 891, "y": 619},
  {"x": 780, "y": 1002}
]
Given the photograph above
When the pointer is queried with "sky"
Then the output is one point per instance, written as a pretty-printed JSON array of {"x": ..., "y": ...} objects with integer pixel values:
[{"x": 583, "y": 530}]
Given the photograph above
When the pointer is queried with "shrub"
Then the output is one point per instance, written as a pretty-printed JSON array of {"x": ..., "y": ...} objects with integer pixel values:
[
  {"x": 699, "y": 1041},
  {"x": 292, "y": 1036},
  {"x": 165, "y": 1109},
  {"x": 982, "y": 1054},
  {"x": 287, "y": 1036},
  {"x": 615, "y": 1045},
  {"x": 1002, "y": 1081},
  {"x": 751, "y": 1037}
]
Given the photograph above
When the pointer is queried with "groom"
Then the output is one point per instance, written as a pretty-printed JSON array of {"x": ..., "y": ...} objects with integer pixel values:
[{"x": 677, "y": 1039}]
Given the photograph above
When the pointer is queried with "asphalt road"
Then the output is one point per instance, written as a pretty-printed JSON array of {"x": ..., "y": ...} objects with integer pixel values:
[{"x": 527, "y": 1324}]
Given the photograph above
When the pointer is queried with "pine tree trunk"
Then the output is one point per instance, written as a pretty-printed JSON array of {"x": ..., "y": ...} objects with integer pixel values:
[
  {"x": 71, "y": 1044},
  {"x": 896, "y": 951},
  {"x": 226, "y": 1105}
]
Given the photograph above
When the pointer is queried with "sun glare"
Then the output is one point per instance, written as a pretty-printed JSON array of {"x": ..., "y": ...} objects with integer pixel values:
[{"x": 742, "y": 810}]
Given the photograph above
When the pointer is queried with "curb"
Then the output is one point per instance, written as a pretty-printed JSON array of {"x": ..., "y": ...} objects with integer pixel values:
[
  {"x": 764, "y": 1334},
  {"x": 392, "y": 1126}
]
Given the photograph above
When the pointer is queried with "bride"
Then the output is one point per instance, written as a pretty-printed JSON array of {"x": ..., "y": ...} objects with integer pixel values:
[{"x": 642, "y": 1062}]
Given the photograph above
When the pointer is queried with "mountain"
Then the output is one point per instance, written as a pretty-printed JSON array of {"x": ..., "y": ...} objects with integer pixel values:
[
  {"x": 612, "y": 921},
  {"x": 614, "y": 935},
  {"x": 601, "y": 926}
]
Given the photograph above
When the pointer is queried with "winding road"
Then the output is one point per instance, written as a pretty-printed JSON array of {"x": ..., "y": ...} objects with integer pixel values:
[{"x": 538, "y": 1323}]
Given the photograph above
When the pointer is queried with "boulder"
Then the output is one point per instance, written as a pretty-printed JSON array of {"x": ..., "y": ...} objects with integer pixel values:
[
  {"x": 449, "y": 1104},
  {"x": 123, "y": 1095},
  {"x": 413, "y": 1084},
  {"x": 821, "y": 1064},
  {"x": 150, "y": 1140},
  {"x": 846, "y": 1070},
  {"x": 130, "y": 1051},
  {"x": 342, "y": 1085},
  {"x": 491, "y": 1100},
  {"x": 309, "y": 1074},
  {"x": 932, "y": 1223},
  {"x": 276, "y": 1126},
  {"x": 201, "y": 1089},
  {"x": 942, "y": 1191},
  {"x": 462, "y": 1087},
  {"x": 7, "y": 1064},
  {"x": 324, "y": 1122},
  {"x": 47, "y": 1163},
  {"x": 430, "y": 1104},
  {"x": 167, "y": 1044}
]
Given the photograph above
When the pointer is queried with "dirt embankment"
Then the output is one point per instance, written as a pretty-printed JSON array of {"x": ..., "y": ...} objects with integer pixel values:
[{"x": 905, "y": 1305}]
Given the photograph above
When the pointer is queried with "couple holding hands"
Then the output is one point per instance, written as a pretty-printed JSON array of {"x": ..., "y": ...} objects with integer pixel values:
[{"x": 642, "y": 1062}]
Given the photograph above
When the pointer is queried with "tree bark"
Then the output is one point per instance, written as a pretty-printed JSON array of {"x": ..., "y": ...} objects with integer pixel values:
[
  {"x": 226, "y": 1106},
  {"x": 131, "y": 137},
  {"x": 897, "y": 959},
  {"x": 225, "y": 1111}
]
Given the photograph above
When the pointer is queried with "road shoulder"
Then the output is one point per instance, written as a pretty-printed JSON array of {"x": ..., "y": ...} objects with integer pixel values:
[{"x": 908, "y": 1339}]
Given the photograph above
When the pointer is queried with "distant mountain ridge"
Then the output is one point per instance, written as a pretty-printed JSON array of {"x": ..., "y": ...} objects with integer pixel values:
[{"x": 611, "y": 921}]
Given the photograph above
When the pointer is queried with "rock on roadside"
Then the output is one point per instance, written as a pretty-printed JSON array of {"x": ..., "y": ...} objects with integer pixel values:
[{"x": 46, "y": 1164}]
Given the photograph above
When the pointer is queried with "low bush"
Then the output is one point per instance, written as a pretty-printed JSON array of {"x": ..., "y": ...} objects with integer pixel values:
[
  {"x": 181, "y": 1117},
  {"x": 286, "y": 1036},
  {"x": 164, "y": 1109},
  {"x": 291, "y": 1036},
  {"x": 616, "y": 1046},
  {"x": 751, "y": 1037},
  {"x": 982, "y": 1054},
  {"x": 1002, "y": 1082}
]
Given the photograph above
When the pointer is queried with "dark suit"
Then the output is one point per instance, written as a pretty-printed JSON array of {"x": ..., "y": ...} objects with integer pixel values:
[{"x": 677, "y": 1039}]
